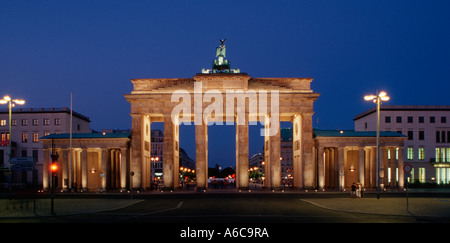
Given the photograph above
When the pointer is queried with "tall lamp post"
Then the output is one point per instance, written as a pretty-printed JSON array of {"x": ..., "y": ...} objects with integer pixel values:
[
  {"x": 11, "y": 103},
  {"x": 378, "y": 98},
  {"x": 152, "y": 170}
]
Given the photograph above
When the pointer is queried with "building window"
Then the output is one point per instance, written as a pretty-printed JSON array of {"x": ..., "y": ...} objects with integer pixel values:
[
  {"x": 410, "y": 153},
  {"x": 24, "y": 122},
  {"x": 24, "y": 137},
  {"x": 442, "y": 175},
  {"x": 421, "y": 153},
  {"x": 398, "y": 119},
  {"x": 35, "y": 122},
  {"x": 35, "y": 155},
  {"x": 432, "y": 119},
  {"x": 13, "y": 122},
  {"x": 421, "y": 135},
  {"x": 57, "y": 121},
  {"x": 412, "y": 175},
  {"x": 410, "y": 135},
  {"x": 438, "y": 137},
  {"x": 387, "y": 119},
  {"x": 442, "y": 154},
  {"x": 35, "y": 137},
  {"x": 410, "y": 119},
  {"x": 2, "y": 123},
  {"x": 421, "y": 119},
  {"x": 24, "y": 153},
  {"x": 443, "y": 119},
  {"x": 46, "y": 121},
  {"x": 422, "y": 175}
]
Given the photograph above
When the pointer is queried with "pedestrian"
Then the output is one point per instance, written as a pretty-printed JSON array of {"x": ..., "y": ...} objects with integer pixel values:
[
  {"x": 358, "y": 190},
  {"x": 352, "y": 194}
]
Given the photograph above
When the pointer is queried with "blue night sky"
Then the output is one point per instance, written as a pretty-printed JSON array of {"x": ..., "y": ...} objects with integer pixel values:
[{"x": 351, "y": 48}]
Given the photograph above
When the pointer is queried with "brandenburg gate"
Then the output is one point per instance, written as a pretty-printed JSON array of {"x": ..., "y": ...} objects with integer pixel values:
[{"x": 222, "y": 96}]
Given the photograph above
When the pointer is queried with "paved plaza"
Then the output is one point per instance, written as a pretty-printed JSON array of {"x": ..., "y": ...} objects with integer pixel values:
[{"x": 419, "y": 204}]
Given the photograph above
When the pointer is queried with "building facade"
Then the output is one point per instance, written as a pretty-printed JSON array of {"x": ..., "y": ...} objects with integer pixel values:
[
  {"x": 88, "y": 161},
  {"x": 27, "y": 126},
  {"x": 427, "y": 148},
  {"x": 346, "y": 157}
]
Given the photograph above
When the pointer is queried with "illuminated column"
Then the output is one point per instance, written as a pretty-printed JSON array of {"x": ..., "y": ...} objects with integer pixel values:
[
  {"x": 242, "y": 161},
  {"x": 45, "y": 170},
  {"x": 367, "y": 168},
  {"x": 201, "y": 155},
  {"x": 137, "y": 145},
  {"x": 307, "y": 144},
  {"x": 297, "y": 151},
  {"x": 341, "y": 168},
  {"x": 104, "y": 168},
  {"x": 272, "y": 154},
  {"x": 84, "y": 168},
  {"x": 124, "y": 160},
  {"x": 171, "y": 153},
  {"x": 268, "y": 177},
  {"x": 361, "y": 169},
  {"x": 383, "y": 160},
  {"x": 112, "y": 165},
  {"x": 392, "y": 166},
  {"x": 321, "y": 167},
  {"x": 65, "y": 169},
  {"x": 373, "y": 167},
  {"x": 401, "y": 174},
  {"x": 274, "y": 159}
]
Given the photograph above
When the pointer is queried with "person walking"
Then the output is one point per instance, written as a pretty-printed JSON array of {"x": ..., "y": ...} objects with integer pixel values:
[
  {"x": 357, "y": 189},
  {"x": 353, "y": 193}
]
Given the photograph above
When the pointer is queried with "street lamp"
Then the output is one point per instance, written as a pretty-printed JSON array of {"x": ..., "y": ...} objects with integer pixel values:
[
  {"x": 153, "y": 160},
  {"x": 11, "y": 103},
  {"x": 381, "y": 96}
]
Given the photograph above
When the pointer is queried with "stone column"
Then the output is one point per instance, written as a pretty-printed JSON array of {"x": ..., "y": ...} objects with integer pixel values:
[
  {"x": 307, "y": 151},
  {"x": 373, "y": 167},
  {"x": 45, "y": 170},
  {"x": 341, "y": 167},
  {"x": 104, "y": 168},
  {"x": 124, "y": 160},
  {"x": 201, "y": 155},
  {"x": 140, "y": 146},
  {"x": 361, "y": 164},
  {"x": 275, "y": 162},
  {"x": 321, "y": 168},
  {"x": 242, "y": 159},
  {"x": 381, "y": 172},
  {"x": 112, "y": 163},
  {"x": 84, "y": 169},
  {"x": 272, "y": 154},
  {"x": 171, "y": 153},
  {"x": 137, "y": 145},
  {"x": 367, "y": 168},
  {"x": 392, "y": 166},
  {"x": 64, "y": 182},
  {"x": 297, "y": 151},
  {"x": 401, "y": 173}
]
